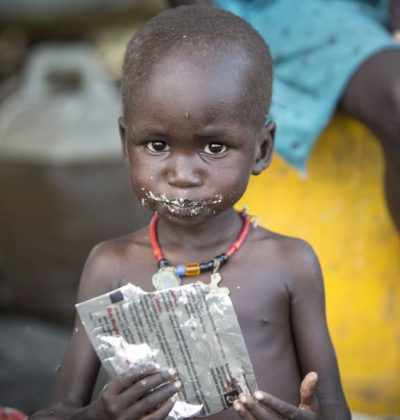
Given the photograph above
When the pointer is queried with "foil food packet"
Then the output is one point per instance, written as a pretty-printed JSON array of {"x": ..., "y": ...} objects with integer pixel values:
[{"x": 192, "y": 328}]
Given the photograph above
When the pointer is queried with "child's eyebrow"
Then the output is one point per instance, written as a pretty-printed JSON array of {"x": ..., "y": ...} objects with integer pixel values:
[
  {"x": 210, "y": 132},
  {"x": 203, "y": 133},
  {"x": 151, "y": 132}
]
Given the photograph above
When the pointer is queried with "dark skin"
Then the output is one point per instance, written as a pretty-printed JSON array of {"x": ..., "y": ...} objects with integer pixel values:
[
  {"x": 176, "y": 3},
  {"x": 377, "y": 105},
  {"x": 372, "y": 97},
  {"x": 188, "y": 138}
]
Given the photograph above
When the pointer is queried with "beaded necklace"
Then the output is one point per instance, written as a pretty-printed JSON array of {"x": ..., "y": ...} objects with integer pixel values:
[{"x": 170, "y": 276}]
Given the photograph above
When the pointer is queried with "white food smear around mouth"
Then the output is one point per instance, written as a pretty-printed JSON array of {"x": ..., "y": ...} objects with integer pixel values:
[{"x": 175, "y": 204}]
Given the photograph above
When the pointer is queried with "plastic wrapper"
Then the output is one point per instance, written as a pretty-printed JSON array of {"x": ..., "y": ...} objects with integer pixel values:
[
  {"x": 50, "y": 119},
  {"x": 192, "y": 328}
]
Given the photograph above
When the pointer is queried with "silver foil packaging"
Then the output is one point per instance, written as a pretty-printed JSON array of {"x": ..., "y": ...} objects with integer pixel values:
[{"x": 192, "y": 328}]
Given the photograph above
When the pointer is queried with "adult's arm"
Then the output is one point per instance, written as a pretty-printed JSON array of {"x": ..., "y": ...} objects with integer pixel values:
[
  {"x": 175, "y": 3},
  {"x": 395, "y": 18}
]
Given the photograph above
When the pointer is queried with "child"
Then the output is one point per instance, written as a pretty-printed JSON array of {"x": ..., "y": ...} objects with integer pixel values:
[{"x": 196, "y": 91}]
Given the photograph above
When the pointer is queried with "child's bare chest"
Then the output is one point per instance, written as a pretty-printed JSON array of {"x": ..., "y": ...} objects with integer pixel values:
[{"x": 262, "y": 303}]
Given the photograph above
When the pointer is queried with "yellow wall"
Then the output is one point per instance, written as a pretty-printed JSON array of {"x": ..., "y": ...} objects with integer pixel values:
[{"x": 340, "y": 209}]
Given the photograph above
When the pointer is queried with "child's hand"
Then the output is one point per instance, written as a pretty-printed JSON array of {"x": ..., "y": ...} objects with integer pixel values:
[
  {"x": 143, "y": 392},
  {"x": 265, "y": 406}
]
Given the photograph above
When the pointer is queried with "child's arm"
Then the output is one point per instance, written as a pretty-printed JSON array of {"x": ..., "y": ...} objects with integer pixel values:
[
  {"x": 127, "y": 396},
  {"x": 313, "y": 344}
]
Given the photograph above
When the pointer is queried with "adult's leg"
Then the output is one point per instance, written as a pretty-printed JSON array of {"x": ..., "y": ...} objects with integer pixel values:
[{"x": 373, "y": 97}]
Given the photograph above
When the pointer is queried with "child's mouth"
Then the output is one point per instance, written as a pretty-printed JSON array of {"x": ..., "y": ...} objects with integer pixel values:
[{"x": 183, "y": 206}]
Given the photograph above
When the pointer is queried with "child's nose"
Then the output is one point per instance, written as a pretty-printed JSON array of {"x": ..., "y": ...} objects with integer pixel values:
[{"x": 183, "y": 173}]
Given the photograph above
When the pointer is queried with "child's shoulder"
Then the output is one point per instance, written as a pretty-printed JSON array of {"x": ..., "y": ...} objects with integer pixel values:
[
  {"x": 107, "y": 264},
  {"x": 118, "y": 248},
  {"x": 288, "y": 246},
  {"x": 292, "y": 256}
]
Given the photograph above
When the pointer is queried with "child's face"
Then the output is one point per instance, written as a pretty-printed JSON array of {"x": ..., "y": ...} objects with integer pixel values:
[{"x": 190, "y": 147}]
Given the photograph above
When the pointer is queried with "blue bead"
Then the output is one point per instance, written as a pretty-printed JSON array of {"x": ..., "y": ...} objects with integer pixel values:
[{"x": 180, "y": 270}]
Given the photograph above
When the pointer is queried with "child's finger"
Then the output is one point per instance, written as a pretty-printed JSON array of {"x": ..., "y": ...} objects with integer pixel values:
[
  {"x": 266, "y": 406},
  {"x": 132, "y": 375},
  {"x": 260, "y": 411},
  {"x": 307, "y": 390},
  {"x": 242, "y": 411},
  {"x": 145, "y": 385},
  {"x": 148, "y": 404},
  {"x": 162, "y": 412}
]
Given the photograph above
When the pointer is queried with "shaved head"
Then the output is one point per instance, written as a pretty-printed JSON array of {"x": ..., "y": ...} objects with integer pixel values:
[{"x": 201, "y": 32}]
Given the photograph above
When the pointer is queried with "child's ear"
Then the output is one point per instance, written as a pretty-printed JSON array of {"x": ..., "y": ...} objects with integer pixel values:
[
  {"x": 122, "y": 134},
  {"x": 264, "y": 148}
]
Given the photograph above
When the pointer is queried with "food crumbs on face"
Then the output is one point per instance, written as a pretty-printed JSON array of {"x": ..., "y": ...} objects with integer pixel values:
[{"x": 174, "y": 205}]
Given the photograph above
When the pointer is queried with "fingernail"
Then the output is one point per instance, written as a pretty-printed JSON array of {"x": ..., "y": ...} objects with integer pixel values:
[
  {"x": 171, "y": 372},
  {"x": 151, "y": 365},
  {"x": 258, "y": 395},
  {"x": 145, "y": 367},
  {"x": 237, "y": 406},
  {"x": 178, "y": 384},
  {"x": 243, "y": 399}
]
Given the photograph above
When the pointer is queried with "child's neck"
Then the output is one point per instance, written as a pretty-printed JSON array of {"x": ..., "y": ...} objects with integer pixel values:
[{"x": 215, "y": 234}]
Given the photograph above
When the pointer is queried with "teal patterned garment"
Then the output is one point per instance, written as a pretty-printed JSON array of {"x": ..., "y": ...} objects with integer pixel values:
[{"x": 316, "y": 46}]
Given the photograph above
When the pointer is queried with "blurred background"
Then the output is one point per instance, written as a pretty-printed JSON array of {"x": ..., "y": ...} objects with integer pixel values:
[
  {"x": 64, "y": 188},
  {"x": 63, "y": 182}
]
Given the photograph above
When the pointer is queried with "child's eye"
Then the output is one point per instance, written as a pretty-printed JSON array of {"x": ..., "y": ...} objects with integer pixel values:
[
  {"x": 215, "y": 148},
  {"x": 157, "y": 146}
]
